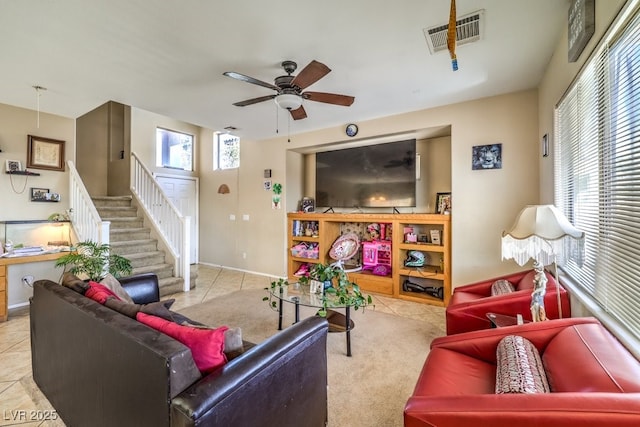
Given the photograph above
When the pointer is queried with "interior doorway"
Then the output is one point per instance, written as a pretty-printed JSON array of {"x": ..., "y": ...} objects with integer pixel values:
[{"x": 183, "y": 193}]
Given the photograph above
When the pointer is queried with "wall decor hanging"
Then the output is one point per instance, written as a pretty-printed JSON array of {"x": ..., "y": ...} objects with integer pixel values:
[
  {"x": 45, "y": 153},
  {"x": 486, "y": 157}
]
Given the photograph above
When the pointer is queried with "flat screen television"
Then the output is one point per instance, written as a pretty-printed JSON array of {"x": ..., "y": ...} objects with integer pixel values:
[{"x": 381, "y": 175}]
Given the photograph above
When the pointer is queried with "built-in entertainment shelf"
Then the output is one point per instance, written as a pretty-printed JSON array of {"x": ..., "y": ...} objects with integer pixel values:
[{"x": 429, "y": 235}]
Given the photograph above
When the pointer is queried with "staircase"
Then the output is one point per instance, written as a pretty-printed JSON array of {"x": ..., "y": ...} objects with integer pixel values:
[{"x": 129, "y": 238}]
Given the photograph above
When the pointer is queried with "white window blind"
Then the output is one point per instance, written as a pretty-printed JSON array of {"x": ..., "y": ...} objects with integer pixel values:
[{"x": 597, "y": 174}]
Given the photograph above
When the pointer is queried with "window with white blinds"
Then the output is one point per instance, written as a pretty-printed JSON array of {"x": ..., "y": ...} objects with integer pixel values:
[{"x": 597, "y": 174}]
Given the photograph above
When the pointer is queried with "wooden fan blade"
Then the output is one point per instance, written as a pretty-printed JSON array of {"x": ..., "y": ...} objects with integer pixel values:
[
  {"x": 310, "y": 74},
  {"x": 329, "y": 98},
  {"x": 253, "y": 101},
  {"x": 248, "y": 79},
  {"x": 298, "y": 113}
]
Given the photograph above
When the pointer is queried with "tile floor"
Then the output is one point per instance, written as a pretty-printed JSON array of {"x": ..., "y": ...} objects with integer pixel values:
[{"x": 22, "y": 404}]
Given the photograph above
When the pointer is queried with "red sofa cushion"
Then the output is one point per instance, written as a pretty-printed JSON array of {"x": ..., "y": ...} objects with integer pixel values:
[
  {"x": 605, "y": 365},
  {"x": 526, "y": 282},
  {"x": 207, "y": 345},
  {"x": 99, "y": 292},
  {"x": 446, "y": 369}
]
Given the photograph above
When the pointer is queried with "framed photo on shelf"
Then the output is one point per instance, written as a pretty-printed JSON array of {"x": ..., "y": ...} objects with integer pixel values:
[
  {"x": 13, "y": 166},
  {"x": 443, "y": 203},
  {"x": 39, "y": 194},
  {"x": 45, "y": 153}
]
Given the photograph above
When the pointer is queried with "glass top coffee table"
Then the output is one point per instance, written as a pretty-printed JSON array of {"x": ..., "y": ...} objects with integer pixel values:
[
  {"x": 502, "y": 320},
  {"x": 299, "y": 295}
]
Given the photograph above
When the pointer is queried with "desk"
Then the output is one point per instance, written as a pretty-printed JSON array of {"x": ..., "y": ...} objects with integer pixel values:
[{"x": 4, "y": 287}]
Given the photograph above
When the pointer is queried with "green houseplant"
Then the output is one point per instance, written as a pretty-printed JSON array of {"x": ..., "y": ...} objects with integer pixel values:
[
  {"x": 337, "y": 288},
  {"x": 94, "y": 261}
]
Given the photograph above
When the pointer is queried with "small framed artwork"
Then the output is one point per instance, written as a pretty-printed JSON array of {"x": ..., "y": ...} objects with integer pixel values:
[
  {"x": 39, "y": 194},
  {"x": 443, "y": 203},
  {"x": 13, "y": 166},
  {"x": 486, "y": 157},
  {"x": 545, "y": 145},
  {"x": 45, "y": 153}
]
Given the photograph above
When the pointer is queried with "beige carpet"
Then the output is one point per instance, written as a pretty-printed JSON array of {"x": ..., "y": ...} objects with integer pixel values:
[{"x": 366, "y": 390}]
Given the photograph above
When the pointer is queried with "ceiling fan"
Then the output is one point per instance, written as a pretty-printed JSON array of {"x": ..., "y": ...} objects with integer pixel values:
[{"x": 289, "y": 95}]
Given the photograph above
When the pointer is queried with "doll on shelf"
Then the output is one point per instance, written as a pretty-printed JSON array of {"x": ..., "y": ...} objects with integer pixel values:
[{"x": 374, "y": 231}]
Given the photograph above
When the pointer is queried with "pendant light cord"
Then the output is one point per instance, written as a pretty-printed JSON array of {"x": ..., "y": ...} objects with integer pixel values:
[{"x": 26, "y": 178}]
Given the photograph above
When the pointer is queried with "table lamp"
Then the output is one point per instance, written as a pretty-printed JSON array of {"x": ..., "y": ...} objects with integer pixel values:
[{"x": 541, "y": 233}]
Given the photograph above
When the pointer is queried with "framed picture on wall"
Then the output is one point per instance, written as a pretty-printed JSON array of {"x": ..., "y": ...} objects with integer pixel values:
[
  {"x": 486, "y": 157},
  {"x": 45, "y": 153}
]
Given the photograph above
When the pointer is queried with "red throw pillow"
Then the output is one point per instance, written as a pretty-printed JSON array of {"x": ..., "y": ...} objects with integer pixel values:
[
  {"x": 99, "y": 292},
  {"x": 207, "y": 345}
]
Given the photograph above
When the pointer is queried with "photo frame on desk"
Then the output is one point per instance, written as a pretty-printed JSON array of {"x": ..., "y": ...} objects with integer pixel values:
[{"x": 45, "y": 153}]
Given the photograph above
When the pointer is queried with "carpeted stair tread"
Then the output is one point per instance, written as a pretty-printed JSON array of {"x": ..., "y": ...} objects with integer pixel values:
[
  {"x": 161, "y": 270},
  {"x": 172, "y": 285},
  {"x": 112, "y": 200},
  {"x": 124, "y": 221},
  {"x": 130, "y": 233},
  {"x": 127, "y": 247},
  {"x": 128, "y": 237},
  {"x": 116, "y": 212}
]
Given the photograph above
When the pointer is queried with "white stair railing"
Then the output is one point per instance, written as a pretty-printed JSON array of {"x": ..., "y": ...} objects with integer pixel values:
[
  {"x": 173, "y": 227},
  {"x": 85, "y": 220}
]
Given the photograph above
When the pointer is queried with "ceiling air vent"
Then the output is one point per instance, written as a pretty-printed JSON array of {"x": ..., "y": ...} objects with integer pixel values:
[{"x": 469, "y": 29}]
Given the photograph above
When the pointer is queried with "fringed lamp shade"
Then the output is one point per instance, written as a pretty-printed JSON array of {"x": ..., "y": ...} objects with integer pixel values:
[{"x": 542, "y": 233}]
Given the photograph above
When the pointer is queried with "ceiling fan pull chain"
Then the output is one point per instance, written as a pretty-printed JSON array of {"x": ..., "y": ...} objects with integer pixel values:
[{"x": 451, "y": 36}]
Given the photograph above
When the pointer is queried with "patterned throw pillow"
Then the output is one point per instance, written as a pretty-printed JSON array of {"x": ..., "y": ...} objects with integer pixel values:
[
  {"x": 500, "y": 287},
  {"x": 519, "y": 367}
]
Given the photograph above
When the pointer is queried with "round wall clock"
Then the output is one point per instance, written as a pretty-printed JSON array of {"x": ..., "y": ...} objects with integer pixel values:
[{"x": 351, "y": 130}]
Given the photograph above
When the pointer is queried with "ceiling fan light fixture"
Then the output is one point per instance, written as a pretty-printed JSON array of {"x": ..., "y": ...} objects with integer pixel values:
[{"x": 288, "y": 101}]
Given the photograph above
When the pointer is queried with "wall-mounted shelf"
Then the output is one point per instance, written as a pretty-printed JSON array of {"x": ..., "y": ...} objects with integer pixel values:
[{"x": 22, "y": 173}]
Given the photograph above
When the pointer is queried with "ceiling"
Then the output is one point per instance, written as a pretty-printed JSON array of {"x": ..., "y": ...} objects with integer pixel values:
[{"x": 168, "y": 56}]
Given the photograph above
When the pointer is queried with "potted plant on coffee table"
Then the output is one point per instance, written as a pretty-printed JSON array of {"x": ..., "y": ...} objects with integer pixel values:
[
  {"x": 336, "y": 288},
  {"x": 94, "y": 261}
]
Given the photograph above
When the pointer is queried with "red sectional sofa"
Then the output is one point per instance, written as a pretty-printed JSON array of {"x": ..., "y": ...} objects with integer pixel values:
[
  {"x": 469, "y": 305},
  {"x": 594, "y": 380}
]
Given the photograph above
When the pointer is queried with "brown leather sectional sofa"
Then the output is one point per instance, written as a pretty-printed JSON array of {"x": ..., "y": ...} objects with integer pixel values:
[{"x": 101, "y": 368}]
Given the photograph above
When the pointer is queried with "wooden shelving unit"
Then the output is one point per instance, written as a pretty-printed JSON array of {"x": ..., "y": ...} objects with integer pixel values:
[{"x": 325, "y": 229}]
